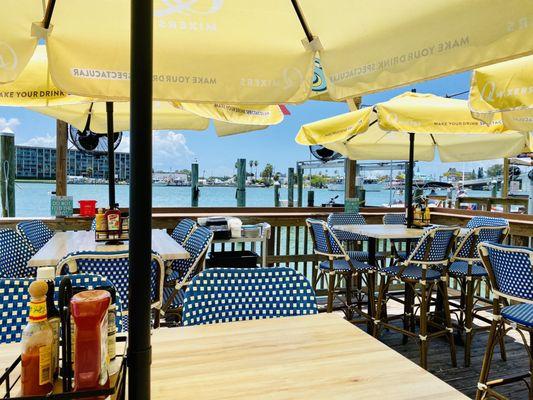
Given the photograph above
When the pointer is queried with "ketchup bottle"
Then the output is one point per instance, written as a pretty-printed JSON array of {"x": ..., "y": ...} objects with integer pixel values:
[
  {"x": 37, "y": 339},
  {"x": 89, "y": 312}
]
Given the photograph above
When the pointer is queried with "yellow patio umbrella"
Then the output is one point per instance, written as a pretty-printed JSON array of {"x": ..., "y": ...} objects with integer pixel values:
[
  {"x": 256, "y": 52},
  {"x": 387, "y": 132},
  {"x": 504, "y": 89},
  {"x": 34, "y": 86}
]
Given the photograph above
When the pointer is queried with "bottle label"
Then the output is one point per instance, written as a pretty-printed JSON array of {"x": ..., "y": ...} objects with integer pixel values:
[
  {"x": 45, "y": 365},
  {"x": 37, "y": 311}
]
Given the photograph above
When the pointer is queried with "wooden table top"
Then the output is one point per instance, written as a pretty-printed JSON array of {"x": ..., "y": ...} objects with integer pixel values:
[
  {"x": 389, "y": 231},
  {"x": 64, "y": 243},
  {"x": 317, "y": 357}
]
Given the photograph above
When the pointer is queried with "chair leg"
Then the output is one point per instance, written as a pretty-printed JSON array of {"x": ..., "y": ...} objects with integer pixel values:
[
  {"x": 448, "y": 321},
  {"x": 371, "y": 303},
  {"x": 468, "y": 319},
  {"x": 331, "y": 291},
  {"x": 348, "y": 278},
  {"x": 408, "y": 321},
  {"x": 487, "y": 358},
  {"x": 314, "y": 276},
  {"x": 359, "y": 283},
  {"x": 383, "y": 288},
  {"x": 503, "y": 352},
  {"x": 423, "y": 327}
]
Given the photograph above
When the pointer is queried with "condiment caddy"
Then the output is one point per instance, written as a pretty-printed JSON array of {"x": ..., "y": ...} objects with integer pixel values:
[
  {"x": 84, "y": 368},
  {"x": 112, "y": 226}
]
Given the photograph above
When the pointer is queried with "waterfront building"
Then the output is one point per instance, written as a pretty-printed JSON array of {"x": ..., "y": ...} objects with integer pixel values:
[{"x": 40, "y": 163}]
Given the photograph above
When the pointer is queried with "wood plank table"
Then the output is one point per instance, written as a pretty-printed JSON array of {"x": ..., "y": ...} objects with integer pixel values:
[
  {"x": 64, "y": 243},
  {"x": 311, "y": 357}
]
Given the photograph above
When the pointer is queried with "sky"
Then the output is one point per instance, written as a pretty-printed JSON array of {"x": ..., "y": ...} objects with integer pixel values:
[{"x": 216, "y": 156}]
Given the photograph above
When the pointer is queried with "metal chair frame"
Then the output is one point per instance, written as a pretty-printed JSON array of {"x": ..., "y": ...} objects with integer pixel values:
[
  {"x": 334, "y": 277},
  {"x": 424, "y": 296},
  {"x": 469, "y": 306},
  {"x": 500, "y": 326}
]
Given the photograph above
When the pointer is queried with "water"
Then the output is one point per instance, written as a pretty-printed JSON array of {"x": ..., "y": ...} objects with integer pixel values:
[{"x": 33, "y": 199}]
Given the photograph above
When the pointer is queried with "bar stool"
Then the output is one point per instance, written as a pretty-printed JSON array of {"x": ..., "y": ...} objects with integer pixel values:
[
  {"x": 467, "y": 269},
  {"x": 432, "y": 249},
  {"x": 339, "y": 265},
  {"x": 510, "y": 272}
]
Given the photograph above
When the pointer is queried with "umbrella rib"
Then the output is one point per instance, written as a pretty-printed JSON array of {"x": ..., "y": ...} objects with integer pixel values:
[
  {"x": 302, "y": 20},
  {"x": 48, "y": 13},
  {"x": 433, "y": 138},
  {"x": 369, "y": 125}
]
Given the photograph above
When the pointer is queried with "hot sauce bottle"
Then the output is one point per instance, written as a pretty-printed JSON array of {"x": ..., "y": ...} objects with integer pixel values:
[{"x": 37, "y": 340}]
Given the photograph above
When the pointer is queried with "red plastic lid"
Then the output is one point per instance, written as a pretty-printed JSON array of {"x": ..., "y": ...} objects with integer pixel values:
[{"x": 87, "y": 201}]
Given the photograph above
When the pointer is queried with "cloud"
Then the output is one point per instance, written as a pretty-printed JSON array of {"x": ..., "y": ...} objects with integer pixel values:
[
  {"x": 10, "y": 123},
  {"x": 170, "y": 150},
  {"x": 40, "y": 141}
]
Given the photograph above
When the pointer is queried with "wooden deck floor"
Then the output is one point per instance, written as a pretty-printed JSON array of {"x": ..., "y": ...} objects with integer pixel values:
[{"x": 461, "y": 378}]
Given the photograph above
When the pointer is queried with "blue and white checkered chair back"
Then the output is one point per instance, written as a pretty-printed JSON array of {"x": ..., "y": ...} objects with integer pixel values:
[
  {"x": 510, "y": 270},
  {"x": 183, "y": 230},
  {"x": 394, "y": 219},
  {"x": 434, "y": 246},
  {"x": 93, "y": 224},
  {"x": 114, "y": 266},
  {"x": 36, "y": 233},
  {"x": 476, "y": 222},
  {"x": 346, "y": 219},
  {"x": 237, "y": 294},
  {"x": 325, "y": 241},
  {"x": 196, "y": 245},
  {"x": 15, "y": 252},
  {"x": 467, "y": 249},
  {"x": 14, "y": 300}
]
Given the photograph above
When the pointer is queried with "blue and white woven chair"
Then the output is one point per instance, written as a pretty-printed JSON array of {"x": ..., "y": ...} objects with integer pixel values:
[
  {"x": 339, "y": 265},
  {"x": 478, "y": 221},
  {"x": 466, "y": 268},
  {"x": 510, "y": 272},
  {"x": 396, "y": 244},
  {"x": 114, "y": 266},
  {"x": 349, "y": 238},
  {"x": 238, "y": 294},
  {"x": 14, "y": 300},
  {"x": 182, "y": 271},
  {"x": 15, "y": 252},
  {"x": 418, "y": 270},
  {"x": 183, "y": 230},
  {"x": 36, "y": 233}
]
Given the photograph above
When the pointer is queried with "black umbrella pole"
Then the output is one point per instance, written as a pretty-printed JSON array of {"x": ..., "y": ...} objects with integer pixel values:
[
  {"x": 409, "y": 180},
  {"x": 139, "y": 349},
  {"x": 110, "y": 153}
]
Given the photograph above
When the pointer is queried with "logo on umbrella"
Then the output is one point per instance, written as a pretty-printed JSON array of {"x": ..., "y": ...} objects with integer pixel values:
[
  {"x": 8, "y": 57},
  {"x": 189, "y": 7}
]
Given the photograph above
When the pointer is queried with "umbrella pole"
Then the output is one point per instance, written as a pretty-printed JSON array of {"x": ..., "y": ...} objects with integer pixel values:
[
  {"x": 409, "y": 180},
  {"x": 140, "y": 253},
  {"x": 110, "y": 154}
]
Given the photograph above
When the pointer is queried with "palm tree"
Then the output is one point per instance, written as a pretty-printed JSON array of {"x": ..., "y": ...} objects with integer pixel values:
[
  {"x": 251, "y": 164},
  {"x": 256, "y": 163}
]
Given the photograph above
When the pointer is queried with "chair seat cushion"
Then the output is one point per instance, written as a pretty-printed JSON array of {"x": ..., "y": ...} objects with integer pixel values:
[
  {"x": 412, "y": 272},
  {"x": 177, "y": 301},
  {"x": 459, "y": 269},
  {"x": 519, "y": 313},
  {"x": 361, "y": 255},
  {"x": 342, "y": 265}
]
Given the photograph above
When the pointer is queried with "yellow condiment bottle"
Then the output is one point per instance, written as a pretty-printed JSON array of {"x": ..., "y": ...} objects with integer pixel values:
[
  {"x": 427, "y": 215},
  {"x": 101, "y": 224}
]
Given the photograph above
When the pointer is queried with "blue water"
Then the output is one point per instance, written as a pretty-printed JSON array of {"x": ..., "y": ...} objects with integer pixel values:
[{"x": 33, "y": 199}]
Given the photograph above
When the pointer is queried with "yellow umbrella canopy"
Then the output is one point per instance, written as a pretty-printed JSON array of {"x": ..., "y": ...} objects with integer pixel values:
[
  {"x": 257, "y": 52},
  {"x": 505, "y": 88},
  {"x": 379, "y": 133}
]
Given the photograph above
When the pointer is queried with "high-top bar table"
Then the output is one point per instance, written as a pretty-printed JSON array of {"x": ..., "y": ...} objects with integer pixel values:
[{"x": 64, "y": 243}]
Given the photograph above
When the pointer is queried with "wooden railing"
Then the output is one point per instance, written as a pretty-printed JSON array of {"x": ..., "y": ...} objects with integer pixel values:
[
  {"x": 290, "y": 243},
  {"x": 486, "y": 203}
]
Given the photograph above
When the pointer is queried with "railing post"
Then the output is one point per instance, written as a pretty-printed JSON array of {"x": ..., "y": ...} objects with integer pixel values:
[
  {"x": 7, "y": 167},
  {"x": 276, "y": 193},
  {"x": 241, "y": 182},
  {"x": 300, "y": 180},
  {"x": 290, "y": 187},
  {"x": 61, "y": 157},
  {"x": 311, "y": 198},
  {"x": 195, "y": 191}
]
